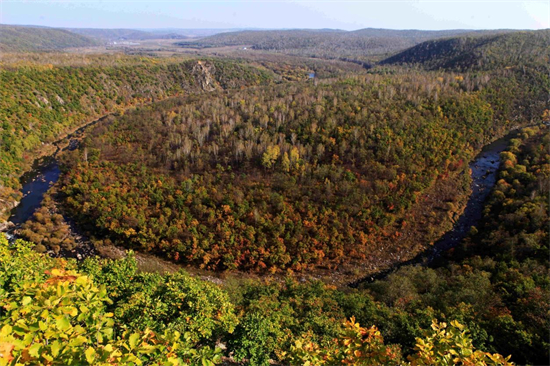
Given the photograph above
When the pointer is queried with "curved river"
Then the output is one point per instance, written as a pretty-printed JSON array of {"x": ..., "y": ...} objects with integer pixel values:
[{"x": 484, "y": 174}]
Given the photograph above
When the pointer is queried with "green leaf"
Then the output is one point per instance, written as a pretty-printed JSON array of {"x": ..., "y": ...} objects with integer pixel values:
[
  {"x": 55, "y": 348},
  {"x": 78, "y": 341},
  {"x": 20, "y": 329},
  {"x": 108, "y": 332},
  {"x": 43, "y": 326},
  {"x": 26, "y": 300},
  {"x": 62, "y": 323},
  {"x": 71, "y": 310},
  {"x": 34, "y": 350},
  {"x": 6, "y": 329},
  {"x": 133, "y": 340}
]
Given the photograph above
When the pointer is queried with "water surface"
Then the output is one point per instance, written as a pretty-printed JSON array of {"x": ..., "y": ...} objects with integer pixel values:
[{"x": 35, "y": 184}]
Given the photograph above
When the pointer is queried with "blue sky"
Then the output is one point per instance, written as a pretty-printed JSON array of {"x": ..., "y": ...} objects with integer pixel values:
[{"x": 347, "y": 14}]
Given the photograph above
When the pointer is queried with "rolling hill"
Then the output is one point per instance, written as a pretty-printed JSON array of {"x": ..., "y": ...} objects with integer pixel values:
[
  {"x": 125, "y": 34},
  {"x": 484, "y": 53},
  {"x": 23, "y": 39},
  {"x": 269, "y": 189},
  {"x": 325, "y": 43}
]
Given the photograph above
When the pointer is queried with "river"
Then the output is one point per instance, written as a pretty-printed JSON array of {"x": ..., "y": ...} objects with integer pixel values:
[
  {"x": 44, "y": 173},
  {"x": 35, "y": 184}
]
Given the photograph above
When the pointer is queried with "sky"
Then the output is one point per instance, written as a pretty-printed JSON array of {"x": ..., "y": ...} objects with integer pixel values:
[{"x": 346, "y": 14}]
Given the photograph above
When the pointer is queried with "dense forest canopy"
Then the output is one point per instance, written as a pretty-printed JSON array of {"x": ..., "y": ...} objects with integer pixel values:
[
  {"x": 112, "y": 35},
  {"x": 278, "y": 177},
  {"x": 490, "y": 299},
  {"x": 498, "y": 277},
  {"x": 109, "y": 313}
]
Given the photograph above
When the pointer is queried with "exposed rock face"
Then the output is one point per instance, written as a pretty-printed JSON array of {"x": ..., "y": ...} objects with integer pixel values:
[
  {"x": 203, "y": 71},
  {"x": 6, "y": 225},
  {"x": 6, "y": 205}
]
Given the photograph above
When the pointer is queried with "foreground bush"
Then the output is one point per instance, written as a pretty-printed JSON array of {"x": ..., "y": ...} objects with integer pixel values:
[
  {"x": 59, "y": 317},
  {"x": 107, "y": 313},
  {"x": 441, "y": 345}
]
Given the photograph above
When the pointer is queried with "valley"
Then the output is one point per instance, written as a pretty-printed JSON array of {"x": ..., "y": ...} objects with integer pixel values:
[{"x": 247, "y": 197}]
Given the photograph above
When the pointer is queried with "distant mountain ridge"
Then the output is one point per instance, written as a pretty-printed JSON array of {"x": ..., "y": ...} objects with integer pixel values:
[
  {"x": 328, "y": 43},
  {"x": 14, "y": 38},
  {"x": 125, "y": 34},
  {"x": 434, "y": 49}
]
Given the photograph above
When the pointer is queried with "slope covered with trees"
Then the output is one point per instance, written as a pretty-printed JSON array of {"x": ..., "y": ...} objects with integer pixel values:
[
  {"x": 39, "y": 104},
  {"x": 491, "y": 52},
  {"x": 24, "y": 39},
  {"x": 124, "y": 34},
  {"x": 497, "y": 281},
  {"x": 241, "y": 172}
]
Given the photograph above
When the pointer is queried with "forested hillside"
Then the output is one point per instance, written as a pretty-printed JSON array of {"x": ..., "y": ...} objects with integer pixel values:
[
  {"x": 108, "y": 313},
  {"x": 24, "y": 39},
  {"x": 497, "y": 281},
  {"x": 491, "y": 52},
  {"x": 496, "y": 287},
  {"x": 39, "y": 104}
]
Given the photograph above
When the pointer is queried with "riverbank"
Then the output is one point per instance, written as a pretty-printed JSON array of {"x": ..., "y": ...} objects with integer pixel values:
[{"x": 483, "y": 171}]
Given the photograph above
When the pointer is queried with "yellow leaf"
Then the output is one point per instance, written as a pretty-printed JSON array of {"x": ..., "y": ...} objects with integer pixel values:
[
  {"x": 90, "y": 355},
  {"x": 71, "y": 310},
  {"x": 5, "y": 351}
]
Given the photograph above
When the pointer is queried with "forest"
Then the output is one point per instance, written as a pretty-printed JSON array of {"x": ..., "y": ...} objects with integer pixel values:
[
  {"x": 111, "y": 35},
  {"x": 244, "y": 182},
  {"x": 273, "y": 184},
  {"x": 491, "y": 52},
  {"x": 288, "y": 177}
]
